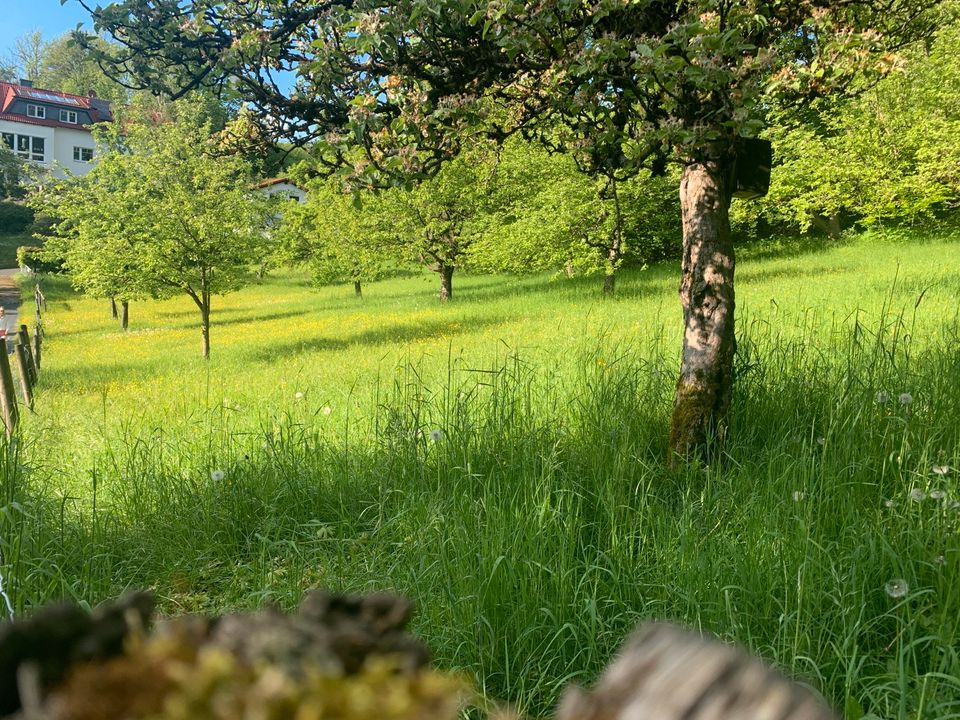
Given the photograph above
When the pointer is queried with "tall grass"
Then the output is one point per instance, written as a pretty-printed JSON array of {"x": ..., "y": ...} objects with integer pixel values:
[{"x": 517, "y": 489}]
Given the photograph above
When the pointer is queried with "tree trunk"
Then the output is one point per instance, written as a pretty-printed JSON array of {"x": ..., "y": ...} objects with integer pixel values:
[
  {"x": 124, "y": 314},
  {"x": 357, "y": 289},
  {"x": 706, "y": 293},
  {"x": 205, "y": 325},
  {"x": 446, "y": 282},
  {"x": 113, "y": 308},
  {"x": 829, "y": 225},
  {"x": 609, "y": 282}
]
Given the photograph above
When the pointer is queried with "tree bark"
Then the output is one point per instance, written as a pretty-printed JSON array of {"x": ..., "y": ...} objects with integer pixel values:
[
  {"x": 205, "y": 327},
  {"x": 446, "y": 282},
  {"x": 113, "y": 308},
  {"x": 357, "y": 289},
  {"x": 705, "y": 385},
  {"x": 609, "y": 282},
  {"x": 124, "y": 315}
]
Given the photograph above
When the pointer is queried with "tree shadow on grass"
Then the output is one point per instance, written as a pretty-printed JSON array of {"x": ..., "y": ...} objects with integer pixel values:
[{"x": 394, "y": 335}]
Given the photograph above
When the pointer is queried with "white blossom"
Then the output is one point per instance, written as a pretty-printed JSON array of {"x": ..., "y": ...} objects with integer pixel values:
[{"x": 897, "y": 588}]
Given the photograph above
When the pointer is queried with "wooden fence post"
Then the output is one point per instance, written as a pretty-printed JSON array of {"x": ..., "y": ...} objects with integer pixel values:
[
  {"x": 8, "y": 394},
  {"x": 36, "y": 348},
  {"x": 31, "y": 361},
  {"x": 23, "y": 365}
]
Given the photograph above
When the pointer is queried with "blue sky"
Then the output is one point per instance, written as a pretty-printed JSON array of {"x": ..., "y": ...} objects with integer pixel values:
[{"x": 18, "y": 17}]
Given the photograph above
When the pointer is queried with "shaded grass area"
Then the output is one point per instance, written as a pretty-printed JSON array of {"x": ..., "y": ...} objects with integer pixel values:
[
  {"x": 541, "y": 524},
  {"x": 8, "y": 247}
]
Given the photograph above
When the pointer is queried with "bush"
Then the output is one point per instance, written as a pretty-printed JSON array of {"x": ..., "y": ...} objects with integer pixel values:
[
  {"x": 14, "y": 217},
  {"x": 38, "y": 259}
]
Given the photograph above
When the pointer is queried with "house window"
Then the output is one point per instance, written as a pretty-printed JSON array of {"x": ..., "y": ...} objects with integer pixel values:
[
  {"x": 36, "y": 111},
  {"x": 68, "y": 116},
  {"x": 27, "y": 146},
  {"x": 82, "y": 154}
]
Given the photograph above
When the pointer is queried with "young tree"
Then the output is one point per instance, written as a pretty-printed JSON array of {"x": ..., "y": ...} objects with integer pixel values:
[
  {"x": 337, "y": 238},
  {"x": 160, "y": 215},
  {"x": 10, "y": 170},
  {"x": 629, "y": 84}
]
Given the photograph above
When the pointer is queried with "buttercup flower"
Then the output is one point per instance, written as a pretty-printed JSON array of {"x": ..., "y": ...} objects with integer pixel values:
[{"x": 897, "y": 588}]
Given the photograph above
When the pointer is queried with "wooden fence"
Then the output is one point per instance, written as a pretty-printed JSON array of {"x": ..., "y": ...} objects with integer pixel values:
[{"x": 25, "y": 352}]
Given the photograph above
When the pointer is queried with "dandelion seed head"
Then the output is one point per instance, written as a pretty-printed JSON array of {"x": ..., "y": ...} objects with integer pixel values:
[
  {"x": 326, "y": 410},
  {"x": 436, "y": 434},
  {"x": 217, "y": 475},
  {"x": 940, "y": 470},
  {"x": 917, "y": 495},
  {"x": 897, "y": 588},
  {"x": 937, "y": 495},
  {"x": 882, "y": 397},
  {"x": 941, "y": 560},
  {"x": 797, "y": 495},
  {"x": 888, "y": 503},
  {"x": 905, "y": 398},
  {"x": 298, "y": 395}
]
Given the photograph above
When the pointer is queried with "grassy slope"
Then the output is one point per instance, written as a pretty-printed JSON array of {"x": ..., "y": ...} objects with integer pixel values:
[
  {"x": 9, "y": 245},
  {"x": 543, "y": 523}
]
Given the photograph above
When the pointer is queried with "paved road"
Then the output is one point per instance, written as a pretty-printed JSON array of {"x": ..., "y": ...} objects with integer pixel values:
[{"x": 10, "y": 302}]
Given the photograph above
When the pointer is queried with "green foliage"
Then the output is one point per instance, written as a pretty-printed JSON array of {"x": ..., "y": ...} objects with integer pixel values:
[
  {"x": 14, "y": 217},
  {"x": 158, "y": 215},
  {"x": 340, "y": 238},
  {"x": 39, "y": 259},
  {"x": 11, "y": 168},
  {"x": 891, "y": 154}
]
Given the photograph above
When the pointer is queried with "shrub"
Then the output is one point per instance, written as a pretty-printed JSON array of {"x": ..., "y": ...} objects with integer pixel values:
[
  {"x": 14, "y": 217},
  {"x": 39, "y": 259}
]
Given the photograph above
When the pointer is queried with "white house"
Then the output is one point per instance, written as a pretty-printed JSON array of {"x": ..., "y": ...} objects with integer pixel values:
[
  {"x": 50, "y": 128},
  {"x": 281, "y": 186}
]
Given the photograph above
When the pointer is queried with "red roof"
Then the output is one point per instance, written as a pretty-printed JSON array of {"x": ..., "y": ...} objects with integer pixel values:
[{"x": 99, "y": 110}]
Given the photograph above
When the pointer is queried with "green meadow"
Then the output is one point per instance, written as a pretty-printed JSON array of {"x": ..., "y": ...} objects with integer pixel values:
[{"x": 501, "y": 460}]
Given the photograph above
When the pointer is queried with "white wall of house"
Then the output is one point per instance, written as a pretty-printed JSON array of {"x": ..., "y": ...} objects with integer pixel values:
[
  {"x": 284, "y": 188},
  {"x": 59, "y": 144}
]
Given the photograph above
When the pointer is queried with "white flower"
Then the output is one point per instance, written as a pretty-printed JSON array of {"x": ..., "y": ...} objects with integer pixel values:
[
  {"x": 888, "y": 503},
  {"x": 882, "y": 397},
  {"x": 897, "y": 588},
  {"x": 298, "y": 396},
  {"x": 905, "y": 398},
  {"x": 940, "y": 469},
  {"x": 937, "y": 494},
  {"x": 436, "y": 434},
  {"x": 326, "y": 410},
  {"x": 797, "y": 496},
  {"x": 941, "y": 560},
  {"x": 917, "y": 495},
  {"x": 217, "y": 475}
]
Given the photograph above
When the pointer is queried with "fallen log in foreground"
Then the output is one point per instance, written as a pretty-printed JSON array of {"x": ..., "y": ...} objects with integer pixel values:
[{"x": 341, "y": 657}]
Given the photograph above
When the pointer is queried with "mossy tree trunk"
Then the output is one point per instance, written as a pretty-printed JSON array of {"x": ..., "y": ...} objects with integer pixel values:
[
  {"x": 113, "y": 308},
  {"x": 705, "y": 385},
  {"x": 124, "y": 314},
  {"x": 357, "y": 288}
]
